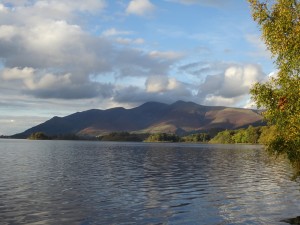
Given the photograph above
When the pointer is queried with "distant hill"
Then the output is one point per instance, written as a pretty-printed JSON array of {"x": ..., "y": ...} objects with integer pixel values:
[{"x": 180, "y": 117}]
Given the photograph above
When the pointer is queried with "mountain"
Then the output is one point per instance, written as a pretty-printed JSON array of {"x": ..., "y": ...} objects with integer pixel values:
[{"x": 179, "y": 117}]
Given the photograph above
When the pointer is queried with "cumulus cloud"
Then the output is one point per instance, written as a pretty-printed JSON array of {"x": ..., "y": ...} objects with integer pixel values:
[
  {"x": 47, "y": 53},
  {"x": 230, "y": 86},
  {"x": 223, "y": 83},
  {"x": 162, "y": 84},
  {"x": 115, "y": 32},
  {"x": 136, "y": 95},
  {"x": 203, "y": 68},
  {"x": 140, "y": 7},
  {"x": 17, "y": 73},
  {"x": 169, "y": 55},
  {"x": 52, "y": 57},
  {"x": 47, "y": 85},
  {"x": 217, "y": 100},
  {"x": 158, "y": 88},
  {"x": 62, "y": 88},
  {"x": 54, "y": 8},
  {"x": 128, "y": 41},
  {"x": 52, "y": 44}
]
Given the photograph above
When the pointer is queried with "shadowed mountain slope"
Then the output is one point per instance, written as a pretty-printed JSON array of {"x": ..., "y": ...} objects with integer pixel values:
[{"x": 179, "y": 117}]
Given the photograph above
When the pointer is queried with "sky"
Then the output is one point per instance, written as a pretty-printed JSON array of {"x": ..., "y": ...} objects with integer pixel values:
[{"x": 58, "y": 57}]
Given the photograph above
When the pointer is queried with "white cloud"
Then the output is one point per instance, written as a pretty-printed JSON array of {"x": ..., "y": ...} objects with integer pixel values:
[
  {"x": 48, "y": 81},
  {"x": 3, "y": 9},
  {"x": 140, "y": 7},
  {"x": 51, "y": 53},
  {"x": 127, "y": 41},
  {"x": 157, "y": 84},
  {"x": 230, "y": 85},
  {"x": 139, "y": 41},
  {"x": 219, "y": 100},
  {"x": 163, "y": 84},
  {"x": 16, "y": 2},
  {"x": 7, "y": 32},
  {"x": 17, "y": 73},
  {"x": 250, "y": 104},
  {"x": 48, "y": 56},
  {"x": 169, "y": 55},
  {"x": 273, "y": 74},
  {"x": 57, "y": 6},
  {"x": 135, "y": 95},
  {"x": 115, "y": 32}
]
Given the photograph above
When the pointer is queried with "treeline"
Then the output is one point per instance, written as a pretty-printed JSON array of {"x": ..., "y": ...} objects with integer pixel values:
[
  {"x": 113, "y": 136},
  {"x": 166, "y": 137},
  {"x": 163, "y": 137},
  {"x": 38, "y": 136},
  {"x": 199, "y": 137},
  {"x": 251, "y": 135},
  {"x": 43, "y": 136},
  {"x": 4, "y": 136},
  {"x": 123, "y": 136}
]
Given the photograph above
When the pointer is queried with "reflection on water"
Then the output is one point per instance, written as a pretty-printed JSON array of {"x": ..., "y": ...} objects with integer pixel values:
[{"x": 65, "y": 182}]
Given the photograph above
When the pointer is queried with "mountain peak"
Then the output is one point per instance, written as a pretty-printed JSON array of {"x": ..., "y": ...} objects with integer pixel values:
[
  {"x": 152, "y": 103},
  {"x": 149, "y": 117},
  {"x": 181, "y": 103}
]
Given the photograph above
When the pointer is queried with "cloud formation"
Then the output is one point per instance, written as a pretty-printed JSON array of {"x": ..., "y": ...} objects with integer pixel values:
[
  {"x": 115, "y": 32},
  {"x": 51, "y": 57},
  {"x": 230, "y": 85},
  {"x": 57, "y": 57},
  {"x": 140, "y": 7},
  {"x": 157, "y": 88},
  {"x": 225, "y": 84}
]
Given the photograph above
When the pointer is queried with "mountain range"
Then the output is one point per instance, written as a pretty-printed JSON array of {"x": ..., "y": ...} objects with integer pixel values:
[{"x": 151, "y": 117}]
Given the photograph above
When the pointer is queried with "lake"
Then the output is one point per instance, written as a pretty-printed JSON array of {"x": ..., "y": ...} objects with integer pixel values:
[{"x": 82, "y": 182}]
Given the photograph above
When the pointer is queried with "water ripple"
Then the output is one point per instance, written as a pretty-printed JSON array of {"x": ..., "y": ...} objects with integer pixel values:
[{"x": 84, "y": 183}]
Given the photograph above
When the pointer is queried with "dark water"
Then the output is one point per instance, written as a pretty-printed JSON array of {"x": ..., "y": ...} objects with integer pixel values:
[{"x": 65, "y": 182}]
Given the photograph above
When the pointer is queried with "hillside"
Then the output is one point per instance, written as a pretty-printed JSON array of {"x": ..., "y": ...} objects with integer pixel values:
[{"x": 179, "y": 117}]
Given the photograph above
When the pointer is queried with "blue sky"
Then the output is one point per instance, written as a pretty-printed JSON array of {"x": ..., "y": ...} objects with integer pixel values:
[{"x": 58, "y": 57}]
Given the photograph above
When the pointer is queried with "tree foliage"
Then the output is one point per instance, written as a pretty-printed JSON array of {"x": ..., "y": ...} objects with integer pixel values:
[
  {"x": 251, "y": 135},
  {"x": 223, "y": 137},
  {"x": 279, "y": 21},
  {"x": 123, "y": 136},
  {"x": 199, "y": 137},
  {"x": 38, "y": 136},
  {"x": 163, "y": 137}
]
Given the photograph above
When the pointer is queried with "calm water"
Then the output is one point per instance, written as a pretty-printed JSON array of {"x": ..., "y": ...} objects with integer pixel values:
[{"x": 71, "y": 182}]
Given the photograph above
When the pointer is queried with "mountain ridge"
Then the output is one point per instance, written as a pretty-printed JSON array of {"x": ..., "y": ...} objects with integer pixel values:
[{"x": 150, "y": 117}]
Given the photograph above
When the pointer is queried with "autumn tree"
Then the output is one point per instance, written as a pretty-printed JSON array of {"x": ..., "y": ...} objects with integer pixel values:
[
  {"x": 223, "y": 137},
  {"x": 279, "y": 21}
]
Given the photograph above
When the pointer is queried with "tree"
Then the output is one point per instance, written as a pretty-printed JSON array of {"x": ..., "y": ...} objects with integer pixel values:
[
  {"x": 163, "y": 137},
  {"x": 38, "y": 136},
  {"x": 223, "y": 137},
  {"x": 279, "y": 21},
  {"x": 198, "y": 137},
  {"x": 252, "y": 135},
  {"x": 240, "y": 136},
  {"x": 268, "y": 133}
]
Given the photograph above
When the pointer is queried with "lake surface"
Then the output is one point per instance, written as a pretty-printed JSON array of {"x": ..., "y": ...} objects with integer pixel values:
[{"x": 74, "y": 182}]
